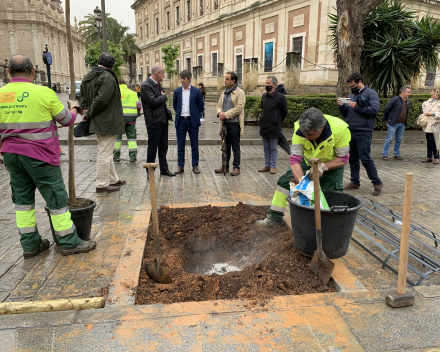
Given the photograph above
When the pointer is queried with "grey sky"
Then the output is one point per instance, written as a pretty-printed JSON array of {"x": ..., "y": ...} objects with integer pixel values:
[{"x": 118, "y": 9}]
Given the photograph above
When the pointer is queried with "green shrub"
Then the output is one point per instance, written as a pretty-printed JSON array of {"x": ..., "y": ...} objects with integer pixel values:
[{"x": 296, "y": 105}]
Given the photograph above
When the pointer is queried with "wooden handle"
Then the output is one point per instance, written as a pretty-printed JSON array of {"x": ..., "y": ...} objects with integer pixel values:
[
  {"x": 154, "y": 211},
  {"x": 150, "y": 165},
  {"x": 404, "y": 237},
  {"x": 316, "y": 193}
]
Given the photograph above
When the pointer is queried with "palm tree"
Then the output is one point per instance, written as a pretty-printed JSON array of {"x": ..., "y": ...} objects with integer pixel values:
[
  {"x": 115, "y": 31},
  {"x": 87, "y": 28},
  {"x": 130, "y": 49}
]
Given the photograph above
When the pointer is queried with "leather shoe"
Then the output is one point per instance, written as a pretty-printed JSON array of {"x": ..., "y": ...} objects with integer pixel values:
[
  {"x": 427, "y": 160},
  {"x": 264, "y": 169},
  {"x": 42, "y": 247},
  {"x": 167, "y": 173},
  {"x": 377, "y": 189},
  {"x": 385, "y": 157},
  {"x": 235, "y": 172},
  {"x": 220, "y": 171},
  {"x": 119, "y": 183},
  {"x": 352, "y": 185},
  {"x": 196, "y": 170},
  {"x": 273, "y": 170},
  {"x": 107, "y": 189},
  {"x": 180, "y": 170},
  {"x": 398, "y": 157}
]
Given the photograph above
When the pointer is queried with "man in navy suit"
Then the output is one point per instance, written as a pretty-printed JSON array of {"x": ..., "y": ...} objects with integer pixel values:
[{"x": 188, "y": 105}]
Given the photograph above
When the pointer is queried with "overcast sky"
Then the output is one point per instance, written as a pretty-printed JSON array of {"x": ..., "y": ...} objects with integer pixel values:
[{"x": 118, "y": 9}]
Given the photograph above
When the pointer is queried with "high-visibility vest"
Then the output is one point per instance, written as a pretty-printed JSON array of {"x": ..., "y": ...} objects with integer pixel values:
[
  {"x": 129, "y": 104},
  {"x": 335, "y": 141}
]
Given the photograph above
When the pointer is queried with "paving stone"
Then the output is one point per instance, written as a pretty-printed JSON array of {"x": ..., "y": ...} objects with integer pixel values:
[{"x": 15, "y": 321}]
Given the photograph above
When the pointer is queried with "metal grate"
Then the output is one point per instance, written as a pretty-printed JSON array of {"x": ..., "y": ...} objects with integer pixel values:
[{"x": 379, "y": 224}]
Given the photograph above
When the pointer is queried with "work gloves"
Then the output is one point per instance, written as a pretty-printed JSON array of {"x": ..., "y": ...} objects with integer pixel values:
[
  {"x": 321, "y": 169},
  {"x": 74, "y": 104}
]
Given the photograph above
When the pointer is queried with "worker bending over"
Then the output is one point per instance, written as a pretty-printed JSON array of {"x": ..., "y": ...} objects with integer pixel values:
[
  {"x": 30, "y": 148},
  {"x": 316, "y": 136}
]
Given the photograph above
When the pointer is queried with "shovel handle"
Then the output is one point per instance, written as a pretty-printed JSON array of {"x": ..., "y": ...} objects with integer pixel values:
[
  {"x": 151, "y": 167},
  {"x": 317, "y": 207}
]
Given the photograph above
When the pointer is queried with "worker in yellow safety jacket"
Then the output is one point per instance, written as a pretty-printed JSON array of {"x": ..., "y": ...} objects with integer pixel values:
[
  {"x": 30, "y": 148},
  {"x": 131, "y": 108},
  {"x": 315, "y": 136}
]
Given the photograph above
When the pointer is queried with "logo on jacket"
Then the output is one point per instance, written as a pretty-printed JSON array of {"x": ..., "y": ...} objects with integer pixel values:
[{"x": 24, "y": 95}]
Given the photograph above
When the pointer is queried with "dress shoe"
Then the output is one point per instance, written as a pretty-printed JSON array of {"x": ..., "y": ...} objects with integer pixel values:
[
  {"x": 107, "y": 189},
  {"x": 167, "y": 173},
  {"x": 435, "y": 162},
  {"x": 220, "y": 171},
  {"x": 196, "y": 170},
  {"x": 42, "y": 247},
  {"x": 119, "y": 183},
  {"x": 377, "y": 189},
  {"x": 427, "y": 160},
  {"x": 385, "y": 157},
  {"x": 235, "y": 172},
  {"x": 180, "y": 170},
  {"x": 83, "y": 247},
  {"x": 352, "y": 185},
  {"x": 398, "y": 157},
  {"x": 264, "y": 169},
  {"x": 273, "y": 170}
]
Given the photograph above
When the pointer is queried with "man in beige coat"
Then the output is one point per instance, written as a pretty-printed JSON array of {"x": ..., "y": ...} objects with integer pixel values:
[{"x": 230, "y": 110}]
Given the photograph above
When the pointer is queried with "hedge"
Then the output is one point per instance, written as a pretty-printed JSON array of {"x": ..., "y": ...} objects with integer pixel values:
[{"x": 297, "y": 104}]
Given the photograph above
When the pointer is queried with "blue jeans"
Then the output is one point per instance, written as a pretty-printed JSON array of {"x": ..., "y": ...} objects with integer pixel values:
[
  {"x": 360, "y": 145},
  {"x": 396, "y": 131},
  {"x": 184, "y": 126},
  {"x": 270, "y": 151}
]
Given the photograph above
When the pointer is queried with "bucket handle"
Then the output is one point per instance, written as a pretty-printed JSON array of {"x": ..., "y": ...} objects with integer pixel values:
[{"x": 339, "y": 209}]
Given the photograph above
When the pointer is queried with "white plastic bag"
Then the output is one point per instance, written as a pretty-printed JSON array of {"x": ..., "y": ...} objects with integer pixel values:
[{"x": 303, "y": 193}]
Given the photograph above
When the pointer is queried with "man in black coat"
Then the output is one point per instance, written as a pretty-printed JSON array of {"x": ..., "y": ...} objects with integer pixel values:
[
  {"x": 396, "y": 115},
  {"x": 274, "y": 111},
  {"x": 281, "y": 88},
  {"x": 156, "y": 119}
]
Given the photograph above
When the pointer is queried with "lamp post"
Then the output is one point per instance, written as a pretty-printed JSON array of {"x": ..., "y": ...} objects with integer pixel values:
[{"x": 101, "y": 24}]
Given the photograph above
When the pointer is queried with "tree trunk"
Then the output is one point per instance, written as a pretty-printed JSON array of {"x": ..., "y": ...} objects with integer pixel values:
[
  {"x": 72, "y": 191},
  {"x": 349, "y": 32}
]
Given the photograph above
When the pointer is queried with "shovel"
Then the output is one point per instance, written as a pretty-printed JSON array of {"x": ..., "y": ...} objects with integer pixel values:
[
  {"x": 156, "y": 272},
  {"x": 320, "y": 265}
]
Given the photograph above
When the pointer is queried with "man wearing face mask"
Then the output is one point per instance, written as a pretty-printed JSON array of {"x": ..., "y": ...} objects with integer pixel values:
[
  {"x": 274, "y": 111},
  {"x": 360, "y": 115}
]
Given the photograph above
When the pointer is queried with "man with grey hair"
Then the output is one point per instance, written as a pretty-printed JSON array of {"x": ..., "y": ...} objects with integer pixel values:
[
  {"x": 100, "y": 97},
  {"x": 396, "y": 114},
  {"x": 274, "y": 111},
  {"x": 30, "y": 147},
  {"x": 316, "y": 136},
  {"x": 156, "y": 116}
]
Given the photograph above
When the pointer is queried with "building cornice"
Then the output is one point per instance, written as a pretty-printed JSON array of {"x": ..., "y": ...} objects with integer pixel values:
[{"x": 138, "y": 3}]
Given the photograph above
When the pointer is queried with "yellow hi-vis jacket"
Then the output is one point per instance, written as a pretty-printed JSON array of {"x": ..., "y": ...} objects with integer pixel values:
[
  {"x": 130, "y": 104},
  {"x": 335, "y": 140}
]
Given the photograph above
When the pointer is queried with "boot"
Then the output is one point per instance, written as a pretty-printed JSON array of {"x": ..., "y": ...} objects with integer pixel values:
[
  {"x": 268, "y": 222},
  {"x": 42, "y": 247},
  {"x": 351, "y": 185},
  {"x": 377, "y": 189},
  {"x": 83, "y": 247},
  {"x": 180, "y": 170},
  {"x": 235, "y": 172}
]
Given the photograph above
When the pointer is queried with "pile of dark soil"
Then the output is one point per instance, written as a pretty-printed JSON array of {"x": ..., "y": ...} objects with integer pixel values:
[{"x": 193, "y": 239}]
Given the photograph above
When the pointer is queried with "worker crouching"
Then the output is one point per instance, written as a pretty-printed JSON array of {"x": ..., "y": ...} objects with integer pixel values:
[
  {"x": 316, "y": 136},
  {"x": 30, "y": 148}
]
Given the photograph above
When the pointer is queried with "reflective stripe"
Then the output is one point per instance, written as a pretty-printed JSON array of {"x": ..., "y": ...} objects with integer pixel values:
[
  {"x": 279, "y": 201},
  {"x": 30, "y": 229},
  {"x": 66, "y": 119},
  {"x": 118, "y": 145},
  {"x": 31, "y": 136},
  {"x": 277, "y": 208},
  {"x": 283, "y": 190},
  {"x": 61, "y": 115},
  {"x": 342, "y": 151},
  {"x": 130, "y": 115},
  {"x": 297, "y": 149},
  {"x": 131, "y": 140},
  {"x": 129, "y": 107},
  {"x": 132, "y": 145},
  {"x": 25, "y": 125},
  {"x": 118, "y": 140},
  {"x": 24, "y": 207},
  {"x": 65, "y": 232},
  {"x": 25, "y": 218},
  {"x": 59, "y": 211},
  {"x": 132, "y": 150}
]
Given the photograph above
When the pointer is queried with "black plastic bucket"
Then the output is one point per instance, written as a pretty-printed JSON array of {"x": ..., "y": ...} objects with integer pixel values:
[
  {"x": 82, "y": 219},
  {"x": 337, "y": 224}
]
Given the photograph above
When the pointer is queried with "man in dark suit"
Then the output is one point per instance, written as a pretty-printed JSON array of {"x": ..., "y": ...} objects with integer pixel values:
[
  {"x": 156, "y": 119},
  {"x": 188, "y": 105}
]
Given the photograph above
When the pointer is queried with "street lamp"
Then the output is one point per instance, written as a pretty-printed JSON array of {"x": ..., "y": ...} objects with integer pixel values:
[{"x": 98, "y": 19}]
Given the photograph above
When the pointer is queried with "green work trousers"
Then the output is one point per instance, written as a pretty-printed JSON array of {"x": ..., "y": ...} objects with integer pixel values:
[
  {"x": 130, "y": 132},
  {"x": 27, "y": 174},
  {"x": 330, "y": 181}
]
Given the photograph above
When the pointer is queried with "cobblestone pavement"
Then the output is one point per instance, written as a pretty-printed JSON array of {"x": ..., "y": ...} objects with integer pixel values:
[{"x": 51, "y": 276}]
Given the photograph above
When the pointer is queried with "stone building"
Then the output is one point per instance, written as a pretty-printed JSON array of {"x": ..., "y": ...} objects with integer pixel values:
[
  {"x": 250, "y": 37},
  {"x": 27, "y": 25}
]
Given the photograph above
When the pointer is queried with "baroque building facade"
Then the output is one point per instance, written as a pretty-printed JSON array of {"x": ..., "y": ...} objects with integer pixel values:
[
  {"x": 224, "y": 34},
  {"x": 26, "y": 26}
]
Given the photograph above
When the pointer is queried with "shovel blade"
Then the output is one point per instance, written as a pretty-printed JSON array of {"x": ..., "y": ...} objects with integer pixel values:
[
  {"x": 322, "y": 267},
  {"x": 158, "y": 274}
]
